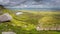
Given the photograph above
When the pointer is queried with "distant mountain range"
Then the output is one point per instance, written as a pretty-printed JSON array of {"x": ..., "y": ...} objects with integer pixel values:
[{"x": 35, "y": 8}]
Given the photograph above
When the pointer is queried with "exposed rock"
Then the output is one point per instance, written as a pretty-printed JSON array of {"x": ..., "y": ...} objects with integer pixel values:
[
  {"x": 38, "y": 28},
  {"x": 8, "y": 33},
  {"x": 5, "y": 17},
  {"x": 18, "y": 13}
]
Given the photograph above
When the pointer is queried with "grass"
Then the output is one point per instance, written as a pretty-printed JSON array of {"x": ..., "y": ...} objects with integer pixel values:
[{"x": 27, "y": 22}]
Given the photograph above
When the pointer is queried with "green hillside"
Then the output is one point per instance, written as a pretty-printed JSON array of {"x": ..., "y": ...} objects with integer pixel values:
[{"x": 26, "y": 23}]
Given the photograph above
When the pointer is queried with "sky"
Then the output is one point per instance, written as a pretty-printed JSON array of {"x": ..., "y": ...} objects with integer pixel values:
[{"x": 30, "y": 3}]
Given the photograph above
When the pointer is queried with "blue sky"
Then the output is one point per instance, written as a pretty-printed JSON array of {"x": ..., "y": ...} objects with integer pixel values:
[{"x": 30, "y": 3}]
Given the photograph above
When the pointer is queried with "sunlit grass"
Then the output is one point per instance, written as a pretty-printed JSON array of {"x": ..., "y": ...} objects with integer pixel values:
[{"x": 27, "y": 22}]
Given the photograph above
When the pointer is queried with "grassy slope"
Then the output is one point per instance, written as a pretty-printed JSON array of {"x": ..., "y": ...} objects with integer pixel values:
[{"x": 26, "y": 23}]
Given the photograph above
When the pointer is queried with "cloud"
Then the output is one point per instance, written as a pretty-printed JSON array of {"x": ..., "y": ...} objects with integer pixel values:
[
  {"x": 4, "y": 2},
  {"x": 30, "y": 3}
]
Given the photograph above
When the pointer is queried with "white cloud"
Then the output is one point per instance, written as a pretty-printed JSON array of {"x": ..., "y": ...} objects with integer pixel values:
[
  {"x": 1, "y": 0},
  {"x": 4, "y": 1},
  {"x": 30, "y": 3}
]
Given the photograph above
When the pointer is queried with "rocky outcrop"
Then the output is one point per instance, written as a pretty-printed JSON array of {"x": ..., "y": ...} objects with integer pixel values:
[
  {"x": 5, "y": 17},
  {"x": 48, "y": 28}
]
